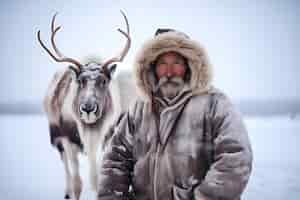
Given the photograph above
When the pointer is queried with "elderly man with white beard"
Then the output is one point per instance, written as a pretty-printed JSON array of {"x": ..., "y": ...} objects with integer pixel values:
[{"x": 184, "y": 139}]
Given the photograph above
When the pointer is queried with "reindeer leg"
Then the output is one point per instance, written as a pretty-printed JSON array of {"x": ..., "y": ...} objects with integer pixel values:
[
  {"x": 93, "y": 170},
  {"x": 92, "y": 146},
  {"x": 68, "y": 189},
  {"x": 57, "y": 140},
  {"x": 76, "y": 183}
]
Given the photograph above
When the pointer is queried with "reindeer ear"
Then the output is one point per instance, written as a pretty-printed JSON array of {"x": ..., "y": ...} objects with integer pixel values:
[
  {"x": 112, "y": 68},
  {"x": 75, "y": 72}
]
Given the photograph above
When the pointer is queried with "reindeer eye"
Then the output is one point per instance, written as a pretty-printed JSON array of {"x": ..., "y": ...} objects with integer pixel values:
[
  {"x": 82, "y": 82},
  {"x": 102, "y": 82}
]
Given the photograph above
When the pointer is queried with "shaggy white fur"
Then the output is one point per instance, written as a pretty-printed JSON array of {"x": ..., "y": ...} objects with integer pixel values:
[{"x": 59, "y": 102}]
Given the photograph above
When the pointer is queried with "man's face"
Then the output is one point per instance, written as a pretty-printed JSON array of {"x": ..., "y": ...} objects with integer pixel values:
[{"x": 170, "y": 70}]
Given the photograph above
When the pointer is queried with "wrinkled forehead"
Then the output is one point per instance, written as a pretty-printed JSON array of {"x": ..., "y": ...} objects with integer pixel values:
[
  {"x": 170, "y": 54},
  {"x": 174, "y": 54}
]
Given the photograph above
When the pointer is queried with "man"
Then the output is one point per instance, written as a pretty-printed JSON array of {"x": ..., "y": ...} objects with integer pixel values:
[{"x": 184, "y": 140}]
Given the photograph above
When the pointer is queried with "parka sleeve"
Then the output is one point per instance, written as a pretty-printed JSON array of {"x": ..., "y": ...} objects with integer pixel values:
[
  {"x": 117, "y": 162},
  {"x": 232, "y": 155}
]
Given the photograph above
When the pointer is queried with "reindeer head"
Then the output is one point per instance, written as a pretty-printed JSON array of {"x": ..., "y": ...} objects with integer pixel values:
[{"x": 93, "y": 97}]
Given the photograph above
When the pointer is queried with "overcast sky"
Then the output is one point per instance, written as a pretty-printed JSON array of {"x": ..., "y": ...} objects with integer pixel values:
[{"x": 253, "y": 45}]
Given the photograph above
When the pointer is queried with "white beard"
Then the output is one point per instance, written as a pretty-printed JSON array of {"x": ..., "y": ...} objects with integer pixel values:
[{"x": 169, "y": 88}]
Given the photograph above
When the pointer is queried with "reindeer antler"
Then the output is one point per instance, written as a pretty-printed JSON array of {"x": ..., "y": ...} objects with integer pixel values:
[
  {"x": 126, "y": 48},
  {"x": 59, "y": 57}
]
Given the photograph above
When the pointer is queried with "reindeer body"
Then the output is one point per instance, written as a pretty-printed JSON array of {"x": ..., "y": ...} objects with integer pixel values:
[
  {"x": 80, "y": 104},
  {"x": 69, "y": 134}
]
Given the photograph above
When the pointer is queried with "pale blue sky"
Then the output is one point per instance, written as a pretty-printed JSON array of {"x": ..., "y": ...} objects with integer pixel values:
[{"x": 253, "y": 45}]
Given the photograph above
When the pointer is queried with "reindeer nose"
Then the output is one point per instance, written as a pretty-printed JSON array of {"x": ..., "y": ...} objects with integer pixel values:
[{"x": 88, "y": 107}]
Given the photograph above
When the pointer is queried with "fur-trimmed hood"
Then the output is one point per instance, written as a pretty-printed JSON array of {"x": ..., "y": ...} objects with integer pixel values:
[{"x": 201, "y": 70}]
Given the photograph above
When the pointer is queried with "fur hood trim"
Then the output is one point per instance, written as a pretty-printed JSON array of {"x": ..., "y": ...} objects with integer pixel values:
[{"x": 201, "y": 70}]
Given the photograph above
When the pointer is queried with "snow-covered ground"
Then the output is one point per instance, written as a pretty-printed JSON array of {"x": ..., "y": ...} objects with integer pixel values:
[{"x": 31, "y": 169}]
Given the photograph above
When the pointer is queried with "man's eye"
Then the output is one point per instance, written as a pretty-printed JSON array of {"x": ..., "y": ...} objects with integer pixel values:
[{"x": 178, "y": 62}]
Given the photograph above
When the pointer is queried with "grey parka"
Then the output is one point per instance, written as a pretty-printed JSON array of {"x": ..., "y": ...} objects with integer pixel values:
[{"x": 197, "y": 147}]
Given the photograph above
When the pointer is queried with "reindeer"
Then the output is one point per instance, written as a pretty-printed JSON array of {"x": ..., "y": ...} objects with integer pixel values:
[{"x": 79, "y": 105}]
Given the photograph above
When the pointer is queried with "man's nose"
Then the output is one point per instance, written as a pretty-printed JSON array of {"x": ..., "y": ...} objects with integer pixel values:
[{"x": 169, "y": 71}]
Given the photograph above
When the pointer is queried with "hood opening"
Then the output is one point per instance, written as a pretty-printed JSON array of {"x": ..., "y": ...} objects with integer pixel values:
[{"x": 170, "y": 40}]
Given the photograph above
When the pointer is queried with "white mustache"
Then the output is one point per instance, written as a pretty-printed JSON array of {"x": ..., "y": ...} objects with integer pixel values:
[{"x": 176, "y": 81}]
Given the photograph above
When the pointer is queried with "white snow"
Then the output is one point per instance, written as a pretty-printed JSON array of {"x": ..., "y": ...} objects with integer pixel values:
[{"x": 31, "y": 169}]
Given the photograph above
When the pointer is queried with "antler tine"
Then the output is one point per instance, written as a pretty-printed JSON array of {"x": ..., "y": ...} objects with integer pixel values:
[
  {"x": 53, "y": 32},
  {"x": 126, "y": 20},
  {"x": 127, "y": 46},
  {"x": 58, "y": 58}
]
